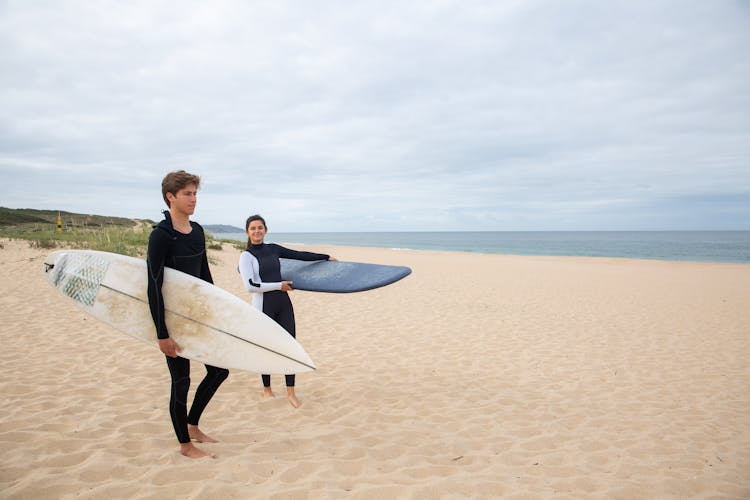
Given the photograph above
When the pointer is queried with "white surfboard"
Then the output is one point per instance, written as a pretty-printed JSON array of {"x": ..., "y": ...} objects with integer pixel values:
[{"x": 210, "y": 324}]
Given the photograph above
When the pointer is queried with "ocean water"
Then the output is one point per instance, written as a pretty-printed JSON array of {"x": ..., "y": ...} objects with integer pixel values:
[{"x": 700, "y": 246}]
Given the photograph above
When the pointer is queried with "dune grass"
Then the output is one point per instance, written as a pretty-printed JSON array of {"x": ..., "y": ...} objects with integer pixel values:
[
  {"x": 92, "y": 232},
  {"x": 116, "y": 239},
  {"x": 126, "y": 241}
]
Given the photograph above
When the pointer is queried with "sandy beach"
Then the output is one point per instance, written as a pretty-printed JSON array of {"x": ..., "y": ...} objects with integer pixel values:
[{"x": 478, "y": 376}]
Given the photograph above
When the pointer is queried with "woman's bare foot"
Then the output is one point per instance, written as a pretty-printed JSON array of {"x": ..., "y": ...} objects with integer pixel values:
[
  {"x": 267, "y": 393},
  {"x": 292, "y": 397},
  {"x": 191, "y": 451},
  {"x": 198, "y": 435}
]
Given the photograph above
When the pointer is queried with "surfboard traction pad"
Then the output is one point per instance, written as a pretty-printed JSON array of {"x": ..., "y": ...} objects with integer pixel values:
[{"x": 78, "y": 276}]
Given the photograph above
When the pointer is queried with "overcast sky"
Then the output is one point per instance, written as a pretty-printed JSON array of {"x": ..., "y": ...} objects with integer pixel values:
[{"x": 374, "y": 115}]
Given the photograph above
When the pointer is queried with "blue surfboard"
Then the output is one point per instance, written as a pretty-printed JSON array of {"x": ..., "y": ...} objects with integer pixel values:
[{"x": 339, "y": 277}]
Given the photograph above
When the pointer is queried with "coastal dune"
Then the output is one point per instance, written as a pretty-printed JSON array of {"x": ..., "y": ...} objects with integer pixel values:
[{"x": 476, "y": 376}]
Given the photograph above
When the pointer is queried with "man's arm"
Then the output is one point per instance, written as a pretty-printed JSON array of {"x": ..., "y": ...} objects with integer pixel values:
[
  {"x": 156, "y": 256},
  {"x": 158, "y": 243},
  {"x": 205, "y": 270}
]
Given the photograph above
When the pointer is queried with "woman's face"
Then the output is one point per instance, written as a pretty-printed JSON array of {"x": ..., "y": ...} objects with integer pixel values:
[{"x": 256, "y": 231}]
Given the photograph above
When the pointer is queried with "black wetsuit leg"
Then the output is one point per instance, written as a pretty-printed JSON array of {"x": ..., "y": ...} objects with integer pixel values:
[
  {"x": 179, "y": 369},
  {"x": 205, "y": 391},
  {"x": 278, "y": 307}
]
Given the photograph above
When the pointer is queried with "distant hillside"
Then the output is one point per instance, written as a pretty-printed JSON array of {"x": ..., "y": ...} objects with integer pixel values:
[
  {"x": 23, "y": 216},
  {"x": 222, "y": 229}
]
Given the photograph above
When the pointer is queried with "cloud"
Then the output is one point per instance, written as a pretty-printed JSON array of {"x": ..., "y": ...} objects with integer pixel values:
[{"x": 382, "y": 116}]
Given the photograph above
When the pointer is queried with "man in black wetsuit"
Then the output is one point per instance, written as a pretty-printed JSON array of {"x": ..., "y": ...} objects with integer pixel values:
[{"x": 179, "y": 243}]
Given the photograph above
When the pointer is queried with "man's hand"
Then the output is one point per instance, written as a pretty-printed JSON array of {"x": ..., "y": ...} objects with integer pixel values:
[
  {"x": 169, "y": 347},
  {"x": 286, "y": 286}
]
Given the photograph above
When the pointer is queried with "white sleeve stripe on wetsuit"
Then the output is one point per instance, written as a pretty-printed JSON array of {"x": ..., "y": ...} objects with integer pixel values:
[{"x": 250, "y": 271}]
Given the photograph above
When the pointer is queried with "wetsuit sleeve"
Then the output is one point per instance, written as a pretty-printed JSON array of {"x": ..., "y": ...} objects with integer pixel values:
[
  {"x": 250, "y": 272},
  {"x": 158, "y": 243},
  {"x": 205, "y": 270},
  {"x": 288, "y": 253}
]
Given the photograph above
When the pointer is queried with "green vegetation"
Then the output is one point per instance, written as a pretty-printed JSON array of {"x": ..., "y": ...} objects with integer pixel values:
[
  {"x": 94, "y": 232},
  {"x": 216, "y": 243},
  {"x": 123, "y": 240},
  {"x": 24, "y": 216},
  {"x": 239, "y": 245}
]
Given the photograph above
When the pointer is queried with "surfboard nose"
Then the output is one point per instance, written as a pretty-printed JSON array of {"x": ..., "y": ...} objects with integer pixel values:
[{"x": 305, "y": 361}]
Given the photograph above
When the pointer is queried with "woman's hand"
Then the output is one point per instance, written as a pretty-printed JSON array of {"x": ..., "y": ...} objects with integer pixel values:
[{"x": 286, "y": 286}]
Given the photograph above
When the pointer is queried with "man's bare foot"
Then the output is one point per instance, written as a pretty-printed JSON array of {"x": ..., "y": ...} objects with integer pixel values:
[
  {"x": 267, "y": 393},
  {"x": 198, "y": 435},
  {"x": 292, "y": 397},
  {"x": 191, "y": 451}
]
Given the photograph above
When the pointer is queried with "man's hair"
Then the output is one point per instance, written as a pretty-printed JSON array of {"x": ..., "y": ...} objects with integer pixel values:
[{"x": 174, "y": 181}]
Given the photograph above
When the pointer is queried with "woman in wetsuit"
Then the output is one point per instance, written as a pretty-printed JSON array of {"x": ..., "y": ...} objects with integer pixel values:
[{"x": 261, "y": 274}]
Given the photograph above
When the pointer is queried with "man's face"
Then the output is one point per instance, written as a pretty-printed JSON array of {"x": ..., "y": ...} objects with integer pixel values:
[{"x": 184, "y": 200}]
